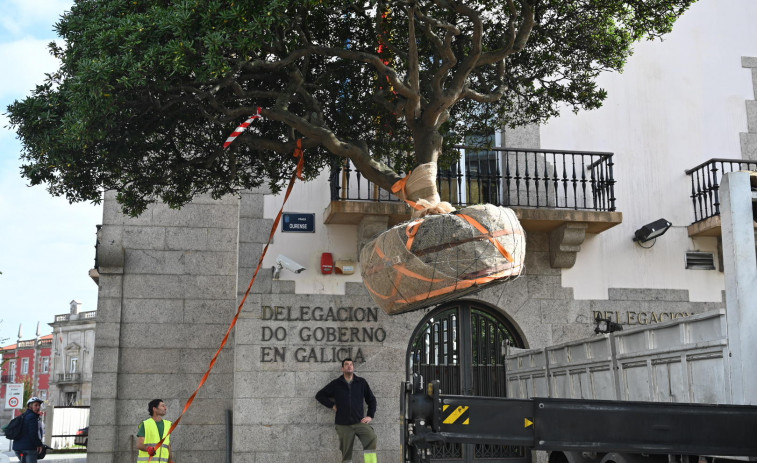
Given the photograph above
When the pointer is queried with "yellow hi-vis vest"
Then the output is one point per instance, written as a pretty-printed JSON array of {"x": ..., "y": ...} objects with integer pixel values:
[{"x": 152, "y": 438}]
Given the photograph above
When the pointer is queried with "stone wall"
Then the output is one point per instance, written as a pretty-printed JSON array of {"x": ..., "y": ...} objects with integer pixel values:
[
  {"x": 167, "y": 286},
  {"x": 281, "y": 361}
]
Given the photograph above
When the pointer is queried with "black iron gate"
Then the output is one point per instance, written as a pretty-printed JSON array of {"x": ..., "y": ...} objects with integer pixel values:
[{"x": 462, "y": 345}]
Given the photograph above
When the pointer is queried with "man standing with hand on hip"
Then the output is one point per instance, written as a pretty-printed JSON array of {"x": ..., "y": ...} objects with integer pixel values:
[
  {"x": 345, "y": 395},
  {"x": 151, "y": 431}
]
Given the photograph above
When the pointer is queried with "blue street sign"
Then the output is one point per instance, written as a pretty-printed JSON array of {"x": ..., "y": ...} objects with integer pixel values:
[{"x": 299, "y": 223}]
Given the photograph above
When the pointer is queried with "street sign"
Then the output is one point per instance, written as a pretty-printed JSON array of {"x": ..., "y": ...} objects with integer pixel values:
[
  {"x": 14, "y": 395},
  {"x": 299, "y": 223}
]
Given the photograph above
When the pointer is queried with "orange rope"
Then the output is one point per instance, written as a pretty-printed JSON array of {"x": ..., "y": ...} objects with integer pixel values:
[{"x": 298, "y": 153}]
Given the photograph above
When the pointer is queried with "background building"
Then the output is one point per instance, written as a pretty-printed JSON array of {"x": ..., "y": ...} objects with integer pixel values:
[
  {"x": 73, "y": 352},
  {"x": 170, "y": 281},
  {"x": 27, "y": 360}
]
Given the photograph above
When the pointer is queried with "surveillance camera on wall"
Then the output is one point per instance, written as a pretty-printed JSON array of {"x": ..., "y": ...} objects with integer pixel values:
[{"x": 283, "y": 261}]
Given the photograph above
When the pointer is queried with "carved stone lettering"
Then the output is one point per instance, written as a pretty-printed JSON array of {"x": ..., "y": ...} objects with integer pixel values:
[
  {"x": 631, "y": 317},
  {"x": 319, "y": 314},
  {"x": 318, "y": 338}
]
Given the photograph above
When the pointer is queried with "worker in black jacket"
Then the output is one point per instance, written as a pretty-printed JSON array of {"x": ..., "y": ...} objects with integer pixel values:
[
  {"x": 345, "y": 395},
  {"x": 30, "y": 443}
]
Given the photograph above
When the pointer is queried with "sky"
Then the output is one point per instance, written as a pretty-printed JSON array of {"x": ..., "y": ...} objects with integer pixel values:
[{"x": 46, "y": 244}]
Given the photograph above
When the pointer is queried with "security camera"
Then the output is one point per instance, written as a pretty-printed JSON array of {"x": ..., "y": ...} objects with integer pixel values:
[{"x": 283, "y": 261}]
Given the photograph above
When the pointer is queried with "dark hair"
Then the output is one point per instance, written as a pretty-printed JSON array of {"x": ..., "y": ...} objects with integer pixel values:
[
  {"x": 153, "y": 403},
  {"x": 347, "y": 360}
]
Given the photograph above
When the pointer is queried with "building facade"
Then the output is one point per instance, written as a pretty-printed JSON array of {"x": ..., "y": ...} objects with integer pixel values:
[
  {"x": 171, "y": 281},
  {"x": 73, "y": 354},
  {"x": 27, "y": 360}
]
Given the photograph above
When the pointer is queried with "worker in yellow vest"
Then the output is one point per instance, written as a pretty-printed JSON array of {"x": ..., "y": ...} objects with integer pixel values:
[{"x": 151, "y": 431}]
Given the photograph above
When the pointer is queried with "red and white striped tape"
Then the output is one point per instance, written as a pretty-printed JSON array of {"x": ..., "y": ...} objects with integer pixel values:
[{"x": 242, "y": 127}]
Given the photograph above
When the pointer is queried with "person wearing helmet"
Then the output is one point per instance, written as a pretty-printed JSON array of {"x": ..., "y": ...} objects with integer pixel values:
[{"x": 30, "y": 443}]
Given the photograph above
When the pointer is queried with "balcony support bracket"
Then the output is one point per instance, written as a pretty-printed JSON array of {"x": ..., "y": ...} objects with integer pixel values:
[{"x": 565, "y": 242}]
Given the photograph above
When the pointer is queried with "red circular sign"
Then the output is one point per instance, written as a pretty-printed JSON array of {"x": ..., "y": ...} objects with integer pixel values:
[{"x": 13, "y": 401}]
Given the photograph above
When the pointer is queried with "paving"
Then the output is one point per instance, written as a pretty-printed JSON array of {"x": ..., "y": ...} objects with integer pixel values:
[{"x": 8, "y": 456}]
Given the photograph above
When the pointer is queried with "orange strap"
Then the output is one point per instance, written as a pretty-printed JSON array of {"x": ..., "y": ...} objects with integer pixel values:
[
  {"x": 407, "y": 272},
  {"x": 401, "y": 270},
  {"x": 459, "y": 284},
  {"x": 398, "y": 277},
  {"x": 411, "y": 230},
  {"x": 298, "y": 153},
  {"x": 399, "y": 187},
  {"x": 484, "y": 231},
  {"x": 379, "y": 295}
]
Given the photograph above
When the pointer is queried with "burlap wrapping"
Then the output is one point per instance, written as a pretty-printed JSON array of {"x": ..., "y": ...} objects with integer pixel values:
[
  {"x": 440, "y": 257},
  {"x": 418, "y": 189}
]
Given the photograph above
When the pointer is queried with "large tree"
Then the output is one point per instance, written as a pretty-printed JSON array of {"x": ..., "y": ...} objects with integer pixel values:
[{"x": 148, "y": 90}]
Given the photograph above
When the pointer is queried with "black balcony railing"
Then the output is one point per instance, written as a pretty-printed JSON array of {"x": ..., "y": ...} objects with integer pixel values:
[
  {"x": 506, "y": 177},
  {"x": 705, "y": 184},
  {"x": 7, "y": 379}
]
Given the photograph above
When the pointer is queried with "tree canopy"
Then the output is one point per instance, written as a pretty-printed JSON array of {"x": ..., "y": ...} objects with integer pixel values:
[{"x": 148, "y": 90}]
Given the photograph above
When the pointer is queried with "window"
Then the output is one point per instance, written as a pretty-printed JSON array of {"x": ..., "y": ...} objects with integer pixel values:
[
  {"x": 70, "y": 399},
  {"x": 74, "y": 365},
  {"x": 12, "y": 371},
  {"x": 43, "y": 394},
  {"x": 45, "y": 364},
  {"x": 476, "y": 178},
  {"x": 25, "y": 366}
]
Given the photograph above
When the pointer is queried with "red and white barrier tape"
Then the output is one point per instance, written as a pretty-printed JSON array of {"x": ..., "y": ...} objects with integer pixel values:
[{"x": 242, "y": 127}]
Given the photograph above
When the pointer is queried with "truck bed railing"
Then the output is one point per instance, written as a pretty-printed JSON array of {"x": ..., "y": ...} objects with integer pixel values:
[{"x": 682, "y": 360}]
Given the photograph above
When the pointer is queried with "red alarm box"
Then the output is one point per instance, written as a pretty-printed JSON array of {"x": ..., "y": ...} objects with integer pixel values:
[{"x": 327, "y": 263}]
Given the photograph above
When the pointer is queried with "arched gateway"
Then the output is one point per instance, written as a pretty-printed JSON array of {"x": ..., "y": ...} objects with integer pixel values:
[{"x": 462, "y": 345}]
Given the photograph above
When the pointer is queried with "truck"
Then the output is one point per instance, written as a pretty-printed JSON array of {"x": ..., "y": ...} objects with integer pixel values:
[{"x": 677, "y": 391}]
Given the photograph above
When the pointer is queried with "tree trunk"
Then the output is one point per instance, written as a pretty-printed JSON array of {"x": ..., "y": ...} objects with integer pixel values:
[{"x": 428, "y": 144}]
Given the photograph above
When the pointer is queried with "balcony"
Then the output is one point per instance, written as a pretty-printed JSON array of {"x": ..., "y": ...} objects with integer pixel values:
[
  {"x": 68, "y": 378},
  {"x": 81, "y": 316},
  {"x": 705, "y": 193},
  {"x": 564, "y": 193},
  {"x": 546, "y": 188}
]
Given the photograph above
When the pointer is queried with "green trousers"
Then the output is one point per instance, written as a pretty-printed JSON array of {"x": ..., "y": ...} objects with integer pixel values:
[{"x": 367, "y": 437}]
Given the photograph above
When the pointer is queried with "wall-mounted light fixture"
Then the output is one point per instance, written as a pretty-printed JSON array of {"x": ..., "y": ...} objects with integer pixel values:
[
  {"x": 651, "y": 231},
  {"x": 606, "y": 325}
]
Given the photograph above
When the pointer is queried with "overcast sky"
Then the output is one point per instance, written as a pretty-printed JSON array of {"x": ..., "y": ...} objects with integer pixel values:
[{"x": 46, "y": 245}]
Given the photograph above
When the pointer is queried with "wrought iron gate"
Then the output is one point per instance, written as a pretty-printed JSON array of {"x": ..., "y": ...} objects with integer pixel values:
[{"x": 462, "y": 345}]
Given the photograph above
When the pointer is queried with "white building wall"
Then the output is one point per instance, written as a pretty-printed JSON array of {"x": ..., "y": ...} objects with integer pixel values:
[
  {"x": 306, "y": 248},
  {"x": 679, "y": 102}
]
